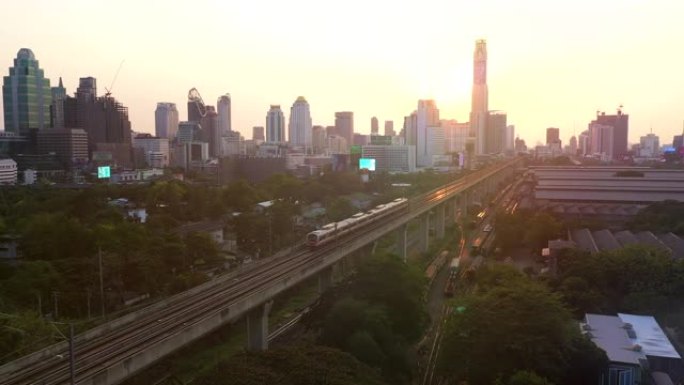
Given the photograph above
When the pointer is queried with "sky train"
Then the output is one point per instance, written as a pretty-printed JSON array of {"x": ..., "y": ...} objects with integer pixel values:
[{"x": 334, "y": 230}]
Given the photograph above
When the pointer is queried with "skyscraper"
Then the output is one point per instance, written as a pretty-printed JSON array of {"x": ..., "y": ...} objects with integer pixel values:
[
  {"x": 620, "y": 124},
  {"x": 344, "y": 125},
  {"x": 26, "y": 95},
  {"x": 224, "y": 114},
  {"x": 479, "y": 102},
  {"x": 553, "y": 138},
  {"x": 389, "y": 128},
  {"x": 210, "y": 132},
  {"x": 495, "y": 132},
  {"x": 299, "y": 129},
  {"x": 57, "y": 105},
  {"x": 427, "y": 118},
  {"x": 374, "y": 126},
  {"x": 257, "y": 132},
  {"x": 275, "y": 125},
  {"x": 166, "y": 120},
  {"x": 509, "y": 142}
]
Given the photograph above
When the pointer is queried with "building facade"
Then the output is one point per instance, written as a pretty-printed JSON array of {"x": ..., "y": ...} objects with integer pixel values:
[
  {"x": 155, "y": 150},
  {"x": 620, "y": 132},
  {"x": 649, "y": 146},
  {"x": 391, "y": 158},
  {"x": 427, "y": 118},
  {"x": 495, "y": 132},
  {"x": 258, "y": 134},
  {"x": 389, "y": 128},
  {"x": 344, "y": 125},
  {"x": 374, "y": 126},
  {"x": 166, "y": 120},
  {"x": 479, "y": 110},
  {"x": 26, "y": 95},
  {"x": 57, "y": 105},
  {"x": 299, "y": 129},
  {"x": 8, "y": 172},
  {"x": 223, "y": 106},
  {"x": 275, "y": 125},
  {"x": 69, "y": 144}
]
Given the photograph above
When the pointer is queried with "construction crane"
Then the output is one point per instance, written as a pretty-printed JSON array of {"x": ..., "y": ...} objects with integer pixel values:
[
  {"x": 111, "y": 85},
  {"x": 195, "y": 97}
]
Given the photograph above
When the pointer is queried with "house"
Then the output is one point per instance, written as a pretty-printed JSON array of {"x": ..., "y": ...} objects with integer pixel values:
[{"x": 635, "y": 345}]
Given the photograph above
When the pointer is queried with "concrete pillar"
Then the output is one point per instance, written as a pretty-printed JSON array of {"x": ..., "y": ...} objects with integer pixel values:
[
  {"x": 402, "y": 241},
  {"x": 257, "y": 327},
  {"x": 456, "y": 202},
  {"x": 325, "y": 279},
  {"x": 439, "y": 220},
  {"x": 424, "y": 230}
]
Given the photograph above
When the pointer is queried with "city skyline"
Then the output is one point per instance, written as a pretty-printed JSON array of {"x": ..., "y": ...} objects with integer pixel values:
[{"x": 544, "y": 70}]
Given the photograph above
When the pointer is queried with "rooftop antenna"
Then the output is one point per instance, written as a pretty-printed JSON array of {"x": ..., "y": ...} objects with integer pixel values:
[{"x": 116, "y": 75}]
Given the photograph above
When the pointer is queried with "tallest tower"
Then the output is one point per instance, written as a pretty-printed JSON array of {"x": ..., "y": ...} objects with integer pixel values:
[{"x": 479, "y": 107}]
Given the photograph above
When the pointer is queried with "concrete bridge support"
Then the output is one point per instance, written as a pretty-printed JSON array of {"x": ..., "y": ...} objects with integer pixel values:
[
  {"x": 455, "y": 204},
  {"x": 424, "y": 230},
  {"x": 440, "y": 212},
  {"x": 257, "y": 327},
  {"x": 325, "y": 279},
  {"x": 402, "y": 241}
]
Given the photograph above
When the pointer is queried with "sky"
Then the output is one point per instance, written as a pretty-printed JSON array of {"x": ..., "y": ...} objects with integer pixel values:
[{"x": 551, "y": 63}]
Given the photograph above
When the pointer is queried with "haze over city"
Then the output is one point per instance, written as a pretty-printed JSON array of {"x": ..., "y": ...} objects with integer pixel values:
[{"x": 549, "y": 64}]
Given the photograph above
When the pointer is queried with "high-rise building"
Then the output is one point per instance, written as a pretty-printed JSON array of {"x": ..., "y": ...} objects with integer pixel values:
[
  {"x": 70, "y": 145},
  {"x": 188, "y": 132},
  {"x": 299, "y": 129},
  {"x": 318, "y": 136},
  {"x": 649, "y": 146},
  {"x": 26, "y": 95},
  {"x": 374, "y": 126},
  {"x": 455, "y": 135},
  {"x": 166, "y": 120},
  {"x": 620, "y": 124},
  {"x": 573, "y": 145},
  {"x": 411, "y": 129},
  {"x": 427, "y": 116},
  {"x": 57, "y": 105},
  {"x": 495, "y": 132},
  {"x": 391, "y": 158},
  {"x": 479, "y": 110},
  {"x": 344, "y": 125},
  {"x": 602, "y": 140},
  {"x": 584, "y": 143},
  {"x": 257, "y": 133},
  {"x": 275, "y": 125},
  {"x": 553, "y": 138},
  {"x": 210, "y": 131},
  {"x": 155, "y": 150},
  {"x": 509, "y": 141},
  {"x": 224, "y": 114},
  {"x": 389, "y": 128}
]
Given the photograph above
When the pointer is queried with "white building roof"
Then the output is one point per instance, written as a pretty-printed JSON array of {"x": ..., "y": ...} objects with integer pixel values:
[
  {"x": 608, "y": 333},
  {"x": 650, "y": 336}
]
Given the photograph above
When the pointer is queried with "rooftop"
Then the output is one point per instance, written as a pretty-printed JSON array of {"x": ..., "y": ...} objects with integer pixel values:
[{"x": 608, "y": 333}]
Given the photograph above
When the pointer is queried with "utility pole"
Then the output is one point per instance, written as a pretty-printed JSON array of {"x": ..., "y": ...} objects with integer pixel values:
[
  {"x": 72, "y": 357},
  {"x": 102, "y": 296},
  {"x": 56, "y": 306}
]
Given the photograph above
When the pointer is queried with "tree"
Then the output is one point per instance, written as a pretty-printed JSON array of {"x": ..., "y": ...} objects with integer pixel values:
[
  {"x": 340, "y": 208},
  {"x": 522, "y": 324},
  {"x": 294, "y": 366}
]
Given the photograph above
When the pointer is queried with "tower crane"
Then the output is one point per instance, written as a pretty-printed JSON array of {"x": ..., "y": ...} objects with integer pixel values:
[
  {"x": 195, "y": 97},
  {"x": 116, "y": 75}
]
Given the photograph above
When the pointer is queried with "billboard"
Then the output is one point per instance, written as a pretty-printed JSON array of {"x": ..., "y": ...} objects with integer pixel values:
[
  {"x": 355, "y": 149},
  {"x": 103, "y": 172},
  {"x": 367, "y": 163}
]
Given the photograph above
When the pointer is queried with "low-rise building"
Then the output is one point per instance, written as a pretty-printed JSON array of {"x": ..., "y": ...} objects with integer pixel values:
[
  {"x": 155, "y": 150},
  {"x": 8, "y": 172}
]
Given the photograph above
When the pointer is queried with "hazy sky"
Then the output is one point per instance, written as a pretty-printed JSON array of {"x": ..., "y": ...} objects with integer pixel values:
[{"x": 551, "y": 63}]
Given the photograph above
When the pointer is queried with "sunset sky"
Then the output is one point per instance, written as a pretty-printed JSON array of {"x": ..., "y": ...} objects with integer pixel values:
[{"x": 551, "y": 63}]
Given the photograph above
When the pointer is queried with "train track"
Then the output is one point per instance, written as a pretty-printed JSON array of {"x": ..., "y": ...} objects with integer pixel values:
[{"x": 156, "y": 325}]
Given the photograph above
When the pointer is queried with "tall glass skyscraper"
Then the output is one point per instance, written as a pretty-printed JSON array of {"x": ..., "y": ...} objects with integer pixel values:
[
  {"x": 26, "y": 95},
  {"x": 166, "y": 120},
  {"x": 275, "y": 125}
]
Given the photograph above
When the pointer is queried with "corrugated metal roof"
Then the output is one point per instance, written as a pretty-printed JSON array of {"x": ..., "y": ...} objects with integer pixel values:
[
  {"x": 626, "y": 237},
  {"x": 584, "y": 240},
  {"x": 675, "y": 243},
  {"x": 607, "y": 333},
  {"x": 605, "y": 240}
]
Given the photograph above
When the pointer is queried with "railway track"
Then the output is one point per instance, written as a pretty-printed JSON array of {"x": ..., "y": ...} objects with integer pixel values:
[{"x": 158, "y": 324}]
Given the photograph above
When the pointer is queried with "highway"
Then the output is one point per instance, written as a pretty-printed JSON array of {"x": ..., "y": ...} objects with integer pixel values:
[{"x": 214, "y": 306}]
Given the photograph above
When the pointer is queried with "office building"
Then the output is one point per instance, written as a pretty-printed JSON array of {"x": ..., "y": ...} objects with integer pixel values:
[
  {"x": 479, "y": 110},
  {"x": 649, "y": 146},
  {"x": 374, "y": 126},
  {"x": 233, "y": 144},
  {"x": 155, "y": 149},
  {"x": 495, "y": 132},
  {"x": 455, "y": 135},
  {"x": 166, "y": 120},
  {"x": 224, "y": 114},
  {"x": 601, "y": 141},
  {"x": 337, "y": 144},
  {"x": 257, "y": 133},
  {"x": 57, "y": 105},
  {"x": 584, "y": 143},
  {"x": 344, "y": 125},
  {"x": 553, "y": 138},
  {"x": 275, "y": 125},
  {"x": 389, "y": 128},
  {"x": 8, "y": 172},
  {"x": 509, "y": 140},
  {"x": 26, "y": 95},
  {"x": 573, "y": 145},
  {"x": 299, "y": 129},
  {"x": 188, "y": 132},
  {"x": 209, "y": 132},
  {"x": 391, "y": 158},
  {"x": 437, "y": 142},
  {"x": 427, "y": 115},
  {"x": 70, "y": 145},
  {"x": 410, "y": 129},
  {"x": 318, "y": 135},
  {"x": 620, "y": 124}
]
